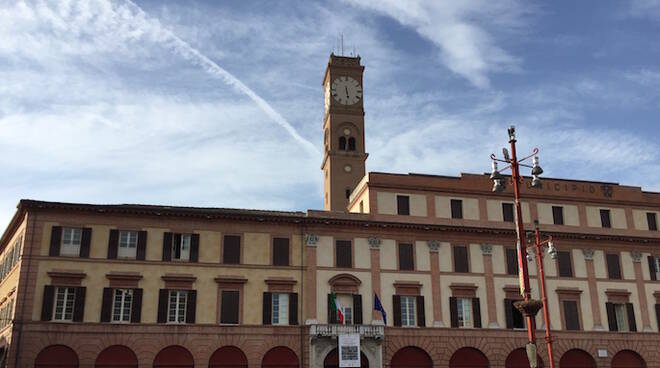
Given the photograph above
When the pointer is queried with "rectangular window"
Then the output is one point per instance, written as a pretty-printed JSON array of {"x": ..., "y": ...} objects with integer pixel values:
[
  {"x": 229, "y": 307},
  {"x": 181, "y": 247},
  {"x": 361, "y": 206},
  {"x": 403, "y": 205},
  {"x": 71, "y": 240},
  {"x": 344, "y": 254},
  {"x": 176, "y": 310},
  {"x": 571, "y": 316},
  {"x": 281, "y": 251},
  {"x": 613, "y": 266},
  {"x": 127, "y": 244},
  {"x": 280, "y": 310},
  {"x": 621, "y": 313},
  {"x": 406, "y": 258},
  {"x": 231, "y": 250},
  {"x": 408, "y": 309},
  {"x": 456, "y": 209},
  {"x": 460, "y": 259},
  {"x": 464, "y": 309},
  {"x": 121, "y": 306},
  {"x": 511, "y": 261},
  {"x": 518, "y": 320},
  {"x": 558, "y": 215},
  {"x": 507, "y": 212},
  {"x": 605, "y": 220},
  {"x": 652, "y": 221},
  {"x": 564, "y": 264},
  {"x": 63, "y": 308},
  {"x": 657, "y": 270}
]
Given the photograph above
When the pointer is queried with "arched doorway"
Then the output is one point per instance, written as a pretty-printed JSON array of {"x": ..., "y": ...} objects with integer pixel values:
[
  {"x": 59, "y": 356},
  {"x": 576, "y": 358},
  {"x": 228, "y": 357},
  {"x": 628, "y": 359},
  {"x": 468, "y": 358},
  {"x": 280, "y": 357},
  {"x": 518, "y": 359},
  {"x": 174, "y": 356},
  {"x": 411, "y": 357},
  {"x": 332, "y": 360},
  {"x": 116, "y": 356}
]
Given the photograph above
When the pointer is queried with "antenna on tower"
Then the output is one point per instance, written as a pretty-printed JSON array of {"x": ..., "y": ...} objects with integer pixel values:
[{"x": 342, "y": 44}]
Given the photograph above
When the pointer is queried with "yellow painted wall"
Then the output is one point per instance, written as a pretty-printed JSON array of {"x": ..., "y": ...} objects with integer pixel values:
[
  {"x": 422, "y": 256},
  {"x": 640, "y": 220},
  {"x": 388, "y": 254},
  {"x": 571, "y": 217},
  {"x": 494, "y": 210},
  {"x": 387, "y": 281},
  {"x": 446, "y": 281},
  {"x": 585, "y": 302},
  {"x": 387, "y": 203},
  {"x": 325, "y": 251},
  {"x": 600, "y": 267},
  {"x": 634, "y": 299},
  {"x": 444, "y": 252},
  {"x": 627, "y": 268},
  {"x": 476, "y": 259},
  {"x": 470, "y": 207},
  {"x": 617, "y": 217},
  {"x": 499, "y": 260},
  {"x": 579, "y": 263},
  {"x": 362, "y": 253}
]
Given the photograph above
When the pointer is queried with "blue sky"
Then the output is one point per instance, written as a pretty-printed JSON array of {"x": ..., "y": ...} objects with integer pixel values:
[{"x": 220, "y": 103}]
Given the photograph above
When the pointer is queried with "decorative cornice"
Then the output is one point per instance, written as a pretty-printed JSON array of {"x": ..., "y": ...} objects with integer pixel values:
[
  {"x": 178, "y": 277},
  {"x": 311, "y": 240},
  {"x": 568, "y": 291},
  {"x": 374, "y": 243},
  {"x": 588, "y": 254},
  {"x": 434, "y": 245},
  {"x": 636, "y": 256},
  {"x": 124, "y": 276},
  {"x": 280, "y": 281},
  {"x": 66, "y": 274},
  {"x": 230, "y": 280},
  {"x": 486, "y": 249}
]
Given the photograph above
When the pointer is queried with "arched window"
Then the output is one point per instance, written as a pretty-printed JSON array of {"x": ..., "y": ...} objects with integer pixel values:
[
  {"x": 342, "y": 143},
  {"x": 351, "y": 144},
  {"x": 56, "y": 356},
  {"x": 348, "y": 193}
]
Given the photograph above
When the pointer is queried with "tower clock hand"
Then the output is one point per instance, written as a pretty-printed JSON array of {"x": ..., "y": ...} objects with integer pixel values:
[{"x": 346, "y": 87}]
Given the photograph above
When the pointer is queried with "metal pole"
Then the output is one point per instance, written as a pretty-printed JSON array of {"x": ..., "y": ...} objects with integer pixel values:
[
  {"x": 522, "y": 249},
  {"x": 546, "y": 315}
]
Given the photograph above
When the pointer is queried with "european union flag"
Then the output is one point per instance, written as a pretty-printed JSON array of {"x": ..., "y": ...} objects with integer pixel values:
[{"x": 379, "y": 307}]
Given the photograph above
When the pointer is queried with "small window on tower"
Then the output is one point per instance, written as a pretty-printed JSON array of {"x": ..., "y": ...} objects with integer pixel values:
[
  {"x": 351, "y": 144},
  {"x": 342, "y": 143},
  {"x": 348, "y": 193}
]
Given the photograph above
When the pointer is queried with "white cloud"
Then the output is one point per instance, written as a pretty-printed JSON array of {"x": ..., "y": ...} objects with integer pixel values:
[{"x": 464, "y": 31}]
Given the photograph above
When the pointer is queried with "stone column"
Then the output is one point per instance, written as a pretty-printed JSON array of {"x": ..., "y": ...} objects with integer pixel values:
[
  {"x": 310, "y": 279},
  {"x": 434, "y": 247},
  {"x": 487, "y": 252},
  {"x": 374, "y": 247},
  {"x": 593, "y": 289},
  {"x": 641, "y": 290}
]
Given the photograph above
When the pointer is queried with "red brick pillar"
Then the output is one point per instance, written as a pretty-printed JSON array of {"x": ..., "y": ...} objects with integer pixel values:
[
  {"x": 374, "y": 247},
  {"x": 310, "y": 279},
  {"x": 641, "y": 290},
  {"x": 487, "y": 252},
  {"x": 593, "y": 289},
  {"x": 434, "y": 247}
]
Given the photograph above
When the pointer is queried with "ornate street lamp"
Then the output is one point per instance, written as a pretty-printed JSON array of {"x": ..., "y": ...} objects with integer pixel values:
[{"x": 528, "y": 306}]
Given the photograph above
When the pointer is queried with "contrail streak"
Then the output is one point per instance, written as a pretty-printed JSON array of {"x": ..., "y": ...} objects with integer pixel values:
[{"x": 195, "y": 56}]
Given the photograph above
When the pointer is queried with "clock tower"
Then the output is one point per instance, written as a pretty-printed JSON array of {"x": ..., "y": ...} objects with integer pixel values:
[{"x": 344, "y": 154}]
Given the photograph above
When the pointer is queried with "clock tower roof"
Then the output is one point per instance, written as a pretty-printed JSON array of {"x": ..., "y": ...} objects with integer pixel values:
[{"x": 338, "y": 63}]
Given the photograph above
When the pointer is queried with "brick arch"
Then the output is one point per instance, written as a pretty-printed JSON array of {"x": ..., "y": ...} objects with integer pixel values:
[
  {"x": 228, "y": 356},
  {"x": 576, "y": 358},
  {"x": 256, "y": 351},
  {"x": 280, "y": 356},
  {"x": 116, "y": 356},
  {"x": 396, "y": 343},
  {"x": 174, "y": 356},
  {"x": 561, "y": 346},
  {"x": 478, "y": 343},
  {"x": 628, "y": 359},
  {"x": 468, "y": 357},
  {"x": 58, "y": 355},
  {"x": 411, "y": 356}
]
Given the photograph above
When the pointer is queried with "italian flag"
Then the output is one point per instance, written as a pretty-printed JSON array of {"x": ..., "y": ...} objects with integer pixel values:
[{"x": 336, "y": 308}]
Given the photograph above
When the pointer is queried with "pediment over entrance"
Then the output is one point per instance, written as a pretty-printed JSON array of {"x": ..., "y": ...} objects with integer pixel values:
[{"x": 345, "y": 283}]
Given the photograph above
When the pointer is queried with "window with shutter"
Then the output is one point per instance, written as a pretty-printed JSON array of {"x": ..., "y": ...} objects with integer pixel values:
[
  {"x": 406, "y": 258},
  {"x": 613, "y": 266},
  {"x": 652, "y": 221},
  {"x": 181, "y": 247},
  {"x": 127, "y": 247},
  {"x": 507, "y": 212},
  {"x": 605, "y": 220},
  {"x": 71, "y": 241},
  {"x": 229, "y": 307},
  {"x": 176, "y": 307},
  {"x": 408, "y": 310},
  {"x": 514, "y": 318},
  {"x": 464, "y": 312},
  {"x": 280, "y": 309},
  {"x": 511, "y": 261},
  {"x": 558, "y": 215},
  {"x": 460, "y": 259},
  {"x": 571, "y": 316},
  {"x": 564, "y": 264},
  {"x": 64, "y": 304},
  {"x": 456, "y": 209},
  {"x": 344, "y": 254},
  {"x": 281, "y": 251},
  {"x": 121, "y": 305},
  {"x": 231, "y": 249},
  {"x": 403, "y": 205}
]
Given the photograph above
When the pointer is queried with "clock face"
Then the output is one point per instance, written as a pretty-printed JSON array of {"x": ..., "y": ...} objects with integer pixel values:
[{"x": 346, "y": 90}]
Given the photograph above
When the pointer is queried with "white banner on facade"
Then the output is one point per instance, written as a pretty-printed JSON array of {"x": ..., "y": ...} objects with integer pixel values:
[{"x": 349, "y": 350}]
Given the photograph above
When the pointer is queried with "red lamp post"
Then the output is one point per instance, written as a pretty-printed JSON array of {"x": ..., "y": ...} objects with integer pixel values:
[
  {"x": 528, "y": 307},
  {"x": 539, "y": 259}
]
